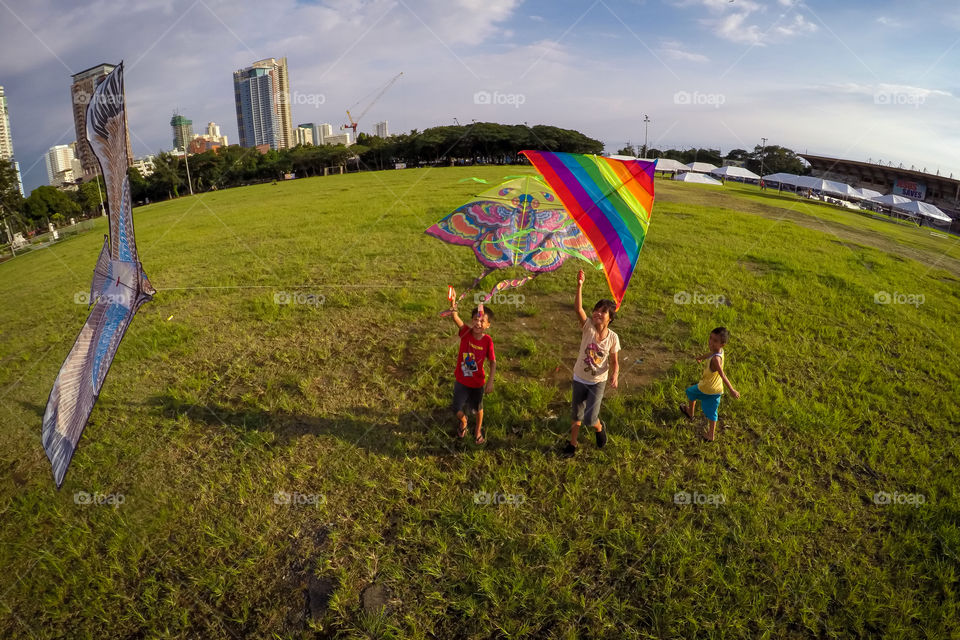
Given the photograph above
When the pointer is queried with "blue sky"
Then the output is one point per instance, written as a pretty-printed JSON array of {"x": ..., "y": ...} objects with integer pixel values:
[{"x": 861, "y": 80}]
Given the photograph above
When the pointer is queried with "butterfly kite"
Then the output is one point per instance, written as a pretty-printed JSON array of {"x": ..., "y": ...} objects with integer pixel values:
[
  {"x": 520, "y": 223},
  {"x": 118, "y": 289}
]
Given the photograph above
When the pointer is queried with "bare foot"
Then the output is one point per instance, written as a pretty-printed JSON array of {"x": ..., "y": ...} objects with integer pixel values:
[{"x": 685, "y": 411}]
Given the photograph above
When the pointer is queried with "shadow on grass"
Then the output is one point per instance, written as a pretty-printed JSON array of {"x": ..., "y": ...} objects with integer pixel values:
[{"x": 427, "y": 433}]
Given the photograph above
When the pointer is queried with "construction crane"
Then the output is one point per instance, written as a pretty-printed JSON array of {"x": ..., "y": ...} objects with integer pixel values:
[{"x": 355, "y": 121}]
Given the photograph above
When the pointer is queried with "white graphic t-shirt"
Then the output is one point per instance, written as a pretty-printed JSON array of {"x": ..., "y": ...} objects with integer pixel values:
[{"x": 593, "y": 359}]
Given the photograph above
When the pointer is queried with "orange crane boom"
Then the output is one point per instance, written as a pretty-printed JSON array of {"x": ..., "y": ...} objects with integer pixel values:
[{"x": 355, "y": 121}]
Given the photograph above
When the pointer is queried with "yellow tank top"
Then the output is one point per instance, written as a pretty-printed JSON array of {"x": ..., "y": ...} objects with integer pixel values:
[{"x": 711, "y": 383}]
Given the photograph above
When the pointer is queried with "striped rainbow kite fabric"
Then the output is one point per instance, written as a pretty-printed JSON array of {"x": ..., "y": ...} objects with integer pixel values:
[{"x": 610, "y": 200}]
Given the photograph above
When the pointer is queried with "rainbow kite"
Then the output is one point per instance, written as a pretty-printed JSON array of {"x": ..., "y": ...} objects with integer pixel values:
[{"x": 610, "y": 200}]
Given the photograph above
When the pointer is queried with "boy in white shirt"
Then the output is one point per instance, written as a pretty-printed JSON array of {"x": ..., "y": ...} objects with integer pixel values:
[{"x": 597, "y": 360}]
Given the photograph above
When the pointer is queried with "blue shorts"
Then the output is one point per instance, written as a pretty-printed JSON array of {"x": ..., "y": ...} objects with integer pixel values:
[{"x": 709, "y": 402}]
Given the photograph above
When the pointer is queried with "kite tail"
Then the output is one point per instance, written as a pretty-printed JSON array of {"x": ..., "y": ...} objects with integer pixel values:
[{"x": 503, "y": 285}]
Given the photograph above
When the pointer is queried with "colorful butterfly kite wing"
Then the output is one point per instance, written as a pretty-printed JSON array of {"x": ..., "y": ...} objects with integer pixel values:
[
  {"x": 518, "y": 223},
  {"x": 611, "y": 202},
  {"x": 118, "y": 289}
]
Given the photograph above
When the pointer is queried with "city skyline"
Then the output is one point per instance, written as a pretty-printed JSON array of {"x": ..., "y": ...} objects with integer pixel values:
[{"x": 810, "y": 76}]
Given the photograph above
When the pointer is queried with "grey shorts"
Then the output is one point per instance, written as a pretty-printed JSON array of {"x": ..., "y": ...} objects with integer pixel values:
[
  {"x": 586, "y": 401},
  {"x": 467, "y": 398}
]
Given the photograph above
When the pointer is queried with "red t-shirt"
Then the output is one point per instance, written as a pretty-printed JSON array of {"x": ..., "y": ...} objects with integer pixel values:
[{"x": 472, "y": 355}]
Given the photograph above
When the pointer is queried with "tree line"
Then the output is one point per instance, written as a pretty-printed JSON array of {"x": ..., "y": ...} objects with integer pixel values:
[
  {"x": 762, "y": 160},
  {"x": 225, "y": 167}
]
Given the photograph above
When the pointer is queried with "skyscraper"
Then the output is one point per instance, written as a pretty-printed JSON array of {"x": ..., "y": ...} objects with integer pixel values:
[
  {"x": 182, "y": 131},
  {"x": 382, "y": 130},
  {"x": 262, "y": 96},
  {"x": 81, "y": 91},
  {"x": 60, "y": 165},
  {"x": 6, "y": 139},
  {"x": 303, "y": 134}
]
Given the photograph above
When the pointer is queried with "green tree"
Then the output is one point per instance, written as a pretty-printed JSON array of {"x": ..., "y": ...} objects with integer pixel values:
[{"x": 46, "y": 201}]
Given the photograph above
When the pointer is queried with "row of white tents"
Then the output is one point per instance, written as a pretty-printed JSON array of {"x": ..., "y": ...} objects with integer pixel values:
[
  {"x": 704, "y": 172},
  {"x": 846, "y": 192}
]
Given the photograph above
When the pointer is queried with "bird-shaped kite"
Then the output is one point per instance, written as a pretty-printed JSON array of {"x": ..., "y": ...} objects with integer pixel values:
[{"x": 118, "y": 289}]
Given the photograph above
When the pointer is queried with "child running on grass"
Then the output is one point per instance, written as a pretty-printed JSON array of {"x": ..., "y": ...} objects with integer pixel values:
[
  {"x": 597, "y": 360},
  {"x": 710, "y": 387},
  {"x": 471, "y": 381}
]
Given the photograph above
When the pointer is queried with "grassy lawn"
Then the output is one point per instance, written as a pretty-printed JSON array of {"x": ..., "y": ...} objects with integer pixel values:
[{"x": 255, "y": 469}]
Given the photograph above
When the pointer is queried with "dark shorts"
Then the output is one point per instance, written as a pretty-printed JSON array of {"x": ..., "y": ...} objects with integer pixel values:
[
  {"x": 467, "y": 398},
  {"x": 586, "y": 401}
]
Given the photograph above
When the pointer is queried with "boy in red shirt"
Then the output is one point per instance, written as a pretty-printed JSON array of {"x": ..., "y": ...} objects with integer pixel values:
[{"x": 471, "y": 381}]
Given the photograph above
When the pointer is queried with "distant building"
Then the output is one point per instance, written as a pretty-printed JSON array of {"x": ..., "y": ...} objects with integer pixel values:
[
  {"x": 262, "y": 98},
  {"x": 81, "y": 91},
  {"x": 940, "y": 191},
  {"x": 303, "y": 134},
  {"x": 6, "y": 139},
  {"x": 343, "y": 138},
  {"x": 182, "y": 131},
  {"x": 144, "y": 165},
  {"x": 382, "y": 130},
  {"x": 200, "y": 144},
  {"x": 61, "y": 163},
  {"x": 213, "y": 134},
  {"x": 321, "y": 132}
]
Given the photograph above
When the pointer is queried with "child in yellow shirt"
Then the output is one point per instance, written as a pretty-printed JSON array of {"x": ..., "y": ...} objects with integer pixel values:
[{"x": 710, "y": 387}]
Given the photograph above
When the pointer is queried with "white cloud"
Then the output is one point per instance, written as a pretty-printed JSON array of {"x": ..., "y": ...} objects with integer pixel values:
[{"x": 675, "y": 50}]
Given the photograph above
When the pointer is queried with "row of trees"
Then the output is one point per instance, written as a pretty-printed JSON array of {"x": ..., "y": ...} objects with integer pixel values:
[
  {"x": 769, "y": 159},
  {"x": 477, "y": 143}
]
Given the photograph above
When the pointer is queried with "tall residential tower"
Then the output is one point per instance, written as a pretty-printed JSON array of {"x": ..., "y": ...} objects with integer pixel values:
[
  {"x": 262, "y": 96},
  {"x": 6, "y": 139},
  {"x": 81, "y": 91}
]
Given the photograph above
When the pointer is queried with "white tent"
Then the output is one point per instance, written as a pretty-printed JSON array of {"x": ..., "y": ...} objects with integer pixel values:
[
  {"x": 666, "y": 164},
  {"x": 701, "y": 167},
  {"x": 890, "y": 199},
  {"x": 696, "y": 177},
  {"x": 867, "y": 194},
  {"x": 827, "y": 186},
  {"x": 735, "y": 172},
  {"x": 782, "y": 178},
  {"x": 923, "y": 209}
]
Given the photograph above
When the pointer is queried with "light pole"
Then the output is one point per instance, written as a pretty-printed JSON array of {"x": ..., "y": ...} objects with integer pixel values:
[
  {"x": 763, "y": 152},
  {"x": 646, "y": 126}
]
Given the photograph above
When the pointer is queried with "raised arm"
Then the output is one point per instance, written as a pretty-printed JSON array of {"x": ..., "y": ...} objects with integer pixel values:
[
  {"x": 453, "y": 307},
  {"x": 581, "y": 314}
]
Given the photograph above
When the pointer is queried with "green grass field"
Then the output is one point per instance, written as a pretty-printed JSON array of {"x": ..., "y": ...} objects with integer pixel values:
[{"x": 265, "y": 470}]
